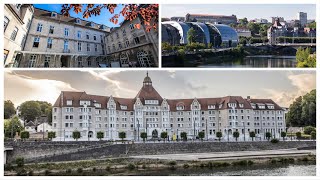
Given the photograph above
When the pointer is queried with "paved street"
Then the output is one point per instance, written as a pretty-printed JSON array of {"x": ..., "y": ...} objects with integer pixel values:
[{"x": 230, "y": 155}]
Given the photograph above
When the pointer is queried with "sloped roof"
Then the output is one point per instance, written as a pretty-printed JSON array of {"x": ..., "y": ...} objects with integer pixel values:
[
  {"x": 147, "y": 92},
  {"x": 264, "y": 101}
]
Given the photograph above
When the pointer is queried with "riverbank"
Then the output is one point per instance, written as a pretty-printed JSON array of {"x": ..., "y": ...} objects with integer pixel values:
[
  {"x": 133, "y": 166},
  {"x": 228, "y": 57}
]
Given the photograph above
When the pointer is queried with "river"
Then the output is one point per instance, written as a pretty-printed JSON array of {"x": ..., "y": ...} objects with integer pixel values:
[{"x": 257, "y": 62}]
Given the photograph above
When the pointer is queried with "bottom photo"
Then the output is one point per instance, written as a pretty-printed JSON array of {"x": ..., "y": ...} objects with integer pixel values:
[{"x": 159, "y": 123}]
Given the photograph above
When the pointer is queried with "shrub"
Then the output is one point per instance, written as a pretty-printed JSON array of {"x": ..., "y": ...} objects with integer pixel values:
[
  {"x": 309, "y": 129},
  {"x": 250, "y": 162},
  {"x": 79, "y": 170},
  {"x": 51, "y": 135},
  {"x": 183, "y": 136},
  {"x": 131, "y": 166},
  {"x": 144, "y": 166},
  {"x": 21, "y": 172},
  {"x": 8, "y": 167},
  {"x": 219, "y": 135},
  {"x": 68, "y": 171},
  {"x": 100, "y": 135},
  {"x": 274, "y": 140},
  {"x": 273, "y": 161},
  {"x": 108, "y": 168},
  {"x": 236, "y": 135},
  {"x": 299, "y": 135},
  {"x": 20, "y": 161},
  {"x": 172, "y": 163},
  {"x": 202, "y": 165},
  {"x": 268, "y": 135},
  {"x": 313, "y": 135},
  {"x": 24, "y": 135},
  {"x": 283, "y": 135},
  {"x": 186, "y": 166},
  {"x": 94, "y": 169},
  {"x": 47, "y": 172}
]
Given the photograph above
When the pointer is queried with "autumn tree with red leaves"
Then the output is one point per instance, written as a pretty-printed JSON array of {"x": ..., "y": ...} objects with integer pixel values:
[{"x": 147, "y": 12}]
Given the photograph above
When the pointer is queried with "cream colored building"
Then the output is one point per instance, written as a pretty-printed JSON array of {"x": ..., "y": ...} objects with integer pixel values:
[
  {"x": 17, "y": 20},
  {"x": 54, "y": 40},
  {"x": 150, "y": 112}
]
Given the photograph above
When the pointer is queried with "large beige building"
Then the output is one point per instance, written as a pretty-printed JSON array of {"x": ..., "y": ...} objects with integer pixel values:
[
  {"x": 54, "y": 40},
  {"x": 150, "y": 112},
  {"x": 17, "y": 21}
]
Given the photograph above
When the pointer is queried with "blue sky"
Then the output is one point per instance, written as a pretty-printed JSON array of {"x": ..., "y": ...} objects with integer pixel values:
[
  {"x": 251, "y": 11},
  {"x": 102, "y": 19}
]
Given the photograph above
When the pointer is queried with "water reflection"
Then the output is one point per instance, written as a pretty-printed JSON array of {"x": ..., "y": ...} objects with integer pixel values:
[{"x": 257, "y": 61}]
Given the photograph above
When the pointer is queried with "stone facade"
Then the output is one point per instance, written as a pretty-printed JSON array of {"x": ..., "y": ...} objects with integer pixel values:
[
  {"x": 149, "y": 112},
  {"x": 133, "y": 47},
  {"x": 54, "y": 40},
  {"x": 17, "y": 20}
]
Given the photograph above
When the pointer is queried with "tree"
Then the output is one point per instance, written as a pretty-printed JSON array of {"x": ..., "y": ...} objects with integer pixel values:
[
  {"x": 100, "y": 135},
  {"x": 268, "y": 135},
  {"x": 254, "y": 28},
  {"x": 122, "y": 135},
  {"x": 236, "y": 135},
  {"x": 166, "y": 46},
  {"x": 48, "y": 113},
  {"x": 191, "y": 35},
  {"x": 143, "y": 135},
  {"x": 24, "y": 135},
  {"x": 219, "y": 135},
  {"x": 308, "y": 129},
  {"x": 283, "y": 135},
  {"x": 313, "y": 135},
  {"x": 9, "y": 109},
  {"x": 299, "y": 135},
  {"x": 294, "y": 113},
  {"x": 312, "y": 25},
  {"x": 51, "y": 135},
  {"x": 308, "y": 109},
  {"x": 184, "y": 136},
  {"x": 30, "y": 110},
  {"x": 164, "y": 135},
  {"x": 304, "y": 58},
  {"x": 252, "y": 134},
  {"x": 149, "y": 13},
  {"x": 76, "y": 135},
  {"x": 201, "y": 135},
  {"x": 243, "y": 22},
  {"x": 12, "y": 126}
]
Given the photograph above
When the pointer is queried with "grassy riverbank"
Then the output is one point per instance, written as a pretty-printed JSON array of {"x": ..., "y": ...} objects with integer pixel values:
[{"x": 126, "y": 166}]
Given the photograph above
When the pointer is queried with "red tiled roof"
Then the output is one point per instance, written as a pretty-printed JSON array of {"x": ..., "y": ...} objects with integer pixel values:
[
  {"x": 265, "y": 101},
  {"x": 212, "y": 15},
  {"x": 147, "y": 92}
]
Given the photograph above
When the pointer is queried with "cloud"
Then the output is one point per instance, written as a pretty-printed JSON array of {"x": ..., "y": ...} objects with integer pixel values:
[{"x": 302, "y": 84}]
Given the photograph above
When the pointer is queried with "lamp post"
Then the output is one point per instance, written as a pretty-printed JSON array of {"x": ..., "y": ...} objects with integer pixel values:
[
  {"x": 244, "y": 131},
  {"x": 207, "y": 129},
  {"x": 138, "y": 130},
  {"x": 177, "y": 134},
  {"x": 194, "y": 130}
]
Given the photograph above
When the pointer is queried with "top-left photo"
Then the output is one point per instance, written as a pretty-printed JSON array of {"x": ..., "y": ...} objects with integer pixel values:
[{"x": 81, "y": 35}]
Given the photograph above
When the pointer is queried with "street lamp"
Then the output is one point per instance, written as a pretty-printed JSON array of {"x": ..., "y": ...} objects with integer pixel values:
[
  {"x": 207, "y": 128},
  {"x": 177, "y": 134},
  {"x": 244, "y": 131},
  {"x": 138, "y": 130}
]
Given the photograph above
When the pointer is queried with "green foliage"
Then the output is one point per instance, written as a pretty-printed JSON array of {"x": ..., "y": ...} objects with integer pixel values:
[
  {"x": 254, "y": 28},
  {"x": 195, "y": 45},
  {"x": 252, "y": 134},
  {"x": 164, "y": 135},
  {"x": 9, "y": 109},
  {"x": 313, "y": 135},
  {"x": 166, "y": 46},
  {"x": 20, "y": 161},
  {"x": 184, "y": 136},
  {"x": 243, "y": 40},
  {"x": 283, "y": 134},
  {"x": 76, "y": 135},
  {"x": 143, "y": 135},
  {"x": 122, "y": 135},
  {"x": 308, "y": 129},
  {"x": 51, "y": 135},
  {"x": 274, "y": 140},
  {"x": 299, "y": 135},
  {"x": 210, "y": 45},
  {"x": 219, "y": 135},
  {"x": 24, "y": 135},
  {"x": 236, "y": 135},
  {"x": 79, "y": 170},
  {"x": 11, "y": 126},
  {"x": 302, "y": 112},
  {"x": 191, "y": 35},
  {"x": 201, "y": 135},
  {"x": 30, "y": 110},
  {"x": 243, "y": 22},
  {"x": 172, "y": 163},
  {"x": 131, "y": 166},
  {"x": 312, "y": 25},
  {"x": 305, "y": 59},
  {"x": 100, "y": 135},
  {"x": 268, "y": 135}
]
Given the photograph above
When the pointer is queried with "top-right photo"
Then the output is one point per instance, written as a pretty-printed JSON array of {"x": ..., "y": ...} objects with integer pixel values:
[{"x": 238, "y": 35}]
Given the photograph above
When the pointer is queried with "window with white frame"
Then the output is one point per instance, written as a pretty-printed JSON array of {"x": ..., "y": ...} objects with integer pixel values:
[
  {"x": 32, "y": 60},
  {"x": 66, "y": 31},
  {"x": 49, "y": 43},
  {"x": 36, "y": 42},
  {"x": 6, "y": 22},
  {"x": 39, "y": 27},
  {"x": 88, "y": 47},
  {"x": 79, "y": 46},
  {"x": 69, "y": 102},
  {"x": 46, "y": 61},
  {"x": 79, "y": 34},
  {"x": 14, "y": 33}
]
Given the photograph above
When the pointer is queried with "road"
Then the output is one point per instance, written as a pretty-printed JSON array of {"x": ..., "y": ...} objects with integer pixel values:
[{"x": 230, "y": 155}]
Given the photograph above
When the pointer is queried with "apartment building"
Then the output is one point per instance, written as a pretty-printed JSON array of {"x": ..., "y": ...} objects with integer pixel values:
[{"x": 149, "y": 112}]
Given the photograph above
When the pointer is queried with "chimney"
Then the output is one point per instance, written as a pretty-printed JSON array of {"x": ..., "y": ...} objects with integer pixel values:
[{"x": 248, "y": 97}]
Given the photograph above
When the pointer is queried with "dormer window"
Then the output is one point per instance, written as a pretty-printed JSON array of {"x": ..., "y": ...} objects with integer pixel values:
[
  {"x": 83, "y": 102},
  {"x": 123, "y": 107},
  {"x": 54, "y": 14},
  {"x": 241, "y": 105},
  {"x": 220, "y": 106},
  {"x": 103, "y": 27},
  {"x": 156, "y": 102},
  {"x": 253, "y": 106},
  {"x": 92, "y": 24},
  {"x": 18, "y": 6},
  {"x": 231, "y": 105},
  {"x": 78, "y": 21},
  {"x": 270, "y": 106},
  {"x": 69, "y": 102},
  {"x": 180, "y": 107},
  {"x": 261, "y": 106},
  {"x": 97, "y": 105},
  {"x": 211, "y": 106}
]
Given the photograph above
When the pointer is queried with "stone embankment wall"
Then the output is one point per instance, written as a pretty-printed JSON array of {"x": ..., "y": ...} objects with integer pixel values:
[{"x": 54, "y": 152}]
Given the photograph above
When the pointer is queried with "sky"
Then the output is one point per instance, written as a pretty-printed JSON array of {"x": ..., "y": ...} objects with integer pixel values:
[
  {"x": 251, "y": 11},
  {"x": 281, "y": 86},
  {"x": 102, "y": 19}
]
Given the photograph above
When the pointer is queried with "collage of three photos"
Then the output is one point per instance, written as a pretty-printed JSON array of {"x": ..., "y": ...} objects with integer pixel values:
[{"x": 118, "y": 90}]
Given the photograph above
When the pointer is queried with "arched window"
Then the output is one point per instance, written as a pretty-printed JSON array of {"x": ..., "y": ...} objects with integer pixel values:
[
  {"x": 144, "y": 59},
  {"x": 124, "y": 60}
]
